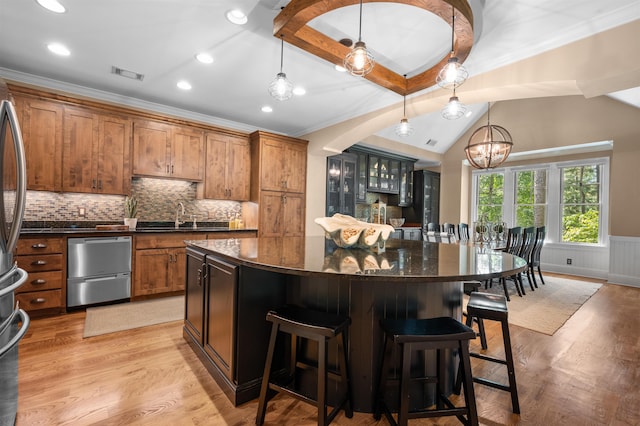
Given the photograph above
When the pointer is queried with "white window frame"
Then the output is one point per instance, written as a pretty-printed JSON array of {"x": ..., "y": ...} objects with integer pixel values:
[{"x": 554, "y": 216}]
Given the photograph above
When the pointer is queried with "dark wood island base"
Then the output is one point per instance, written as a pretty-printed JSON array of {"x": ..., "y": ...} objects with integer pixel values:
[{"x": 232, "y": 284}]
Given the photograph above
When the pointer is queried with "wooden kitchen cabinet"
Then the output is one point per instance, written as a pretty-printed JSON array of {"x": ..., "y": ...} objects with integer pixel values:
[
  {"x": 227, "y": 168},
  {"x": 43, "y": 259},
  {"x": 95, "y": 153},
  {"x": 169, "y": 151},
  {"x": 278, "y": 184},
  {"x": 41, "y": 124}
]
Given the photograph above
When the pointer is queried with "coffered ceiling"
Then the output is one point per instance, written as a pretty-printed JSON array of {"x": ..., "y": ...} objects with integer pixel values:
[{"x": 159, "y": 39}]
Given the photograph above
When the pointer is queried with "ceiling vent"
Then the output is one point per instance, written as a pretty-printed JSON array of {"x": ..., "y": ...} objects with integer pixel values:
[
  {"x": 126, "y": 73},
  {"x": 431, "y": 142}
]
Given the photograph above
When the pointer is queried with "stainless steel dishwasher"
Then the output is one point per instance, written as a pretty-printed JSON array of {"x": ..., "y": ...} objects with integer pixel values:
[{"x": 98, "y": 270}]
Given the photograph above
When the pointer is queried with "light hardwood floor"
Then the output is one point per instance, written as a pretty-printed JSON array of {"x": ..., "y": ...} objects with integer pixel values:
[{"x": 588, "y": 373}]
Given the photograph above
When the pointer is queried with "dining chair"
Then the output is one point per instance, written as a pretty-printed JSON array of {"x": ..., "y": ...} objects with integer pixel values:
[
  {"x": 514, "y": 238},
  {"x": 463, "y": 232},
  {"x": 433, "y": 227},
  {"x": 526, "y": 248},
  {"x": 449, "y": 228},
  {"x": 534, "y": 258}
]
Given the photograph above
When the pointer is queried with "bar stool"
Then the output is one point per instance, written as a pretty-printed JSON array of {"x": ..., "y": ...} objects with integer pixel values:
[
  {"x": 302, "y": 323},
  {"x": 419, "y": 335},
  {"x": 493, "y": 307}
]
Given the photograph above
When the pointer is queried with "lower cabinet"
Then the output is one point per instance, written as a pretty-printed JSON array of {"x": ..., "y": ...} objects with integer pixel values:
[{"x": 226, "y": 307}]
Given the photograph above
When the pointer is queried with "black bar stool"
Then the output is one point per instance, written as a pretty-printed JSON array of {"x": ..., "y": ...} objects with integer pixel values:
[
  {"x": 493, "y": 307},
  {"x": 419, "y": 335},
  {"x": 313, "y": 325}
]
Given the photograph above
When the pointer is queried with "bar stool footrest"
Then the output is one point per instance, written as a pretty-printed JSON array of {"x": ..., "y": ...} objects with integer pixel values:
[
  {"x": 491, "y": 383},
  {"x": 488, "y": 358}
]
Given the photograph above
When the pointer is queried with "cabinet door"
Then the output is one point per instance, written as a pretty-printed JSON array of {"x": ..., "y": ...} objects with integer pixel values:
[
  {"x": 42, "y": 134},
  {"x": 194, "y": 295},
  {"x": 238, "y": 172},
  {"x": 79, "y": 151},
  {"x": 373, "y": 175},
  {"x": 215, "y": 186},
  {"x": 271, "y": 214},
  {"x": 294, "y": 214},
  {"x": 394, "y": 176},
  {"x": 361, "y": 178},
  {"x": 187, "y": 154},
  {"x": 334, "y": 179},
  {"x": 296, "y": 164},
  {"x": 348, "y": 186},
  {"x": 152, "y": 272},
  {"x": 221, "y": 301},
  {"x": 273, "y": 165},
  {"x": 178, "y": 267},
  {"x": 151, "y": 148},
  {"x": 114, "y": 136}
]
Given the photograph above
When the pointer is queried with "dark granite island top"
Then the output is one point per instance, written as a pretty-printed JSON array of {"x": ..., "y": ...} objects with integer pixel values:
[{"x": 231, "y": 284}]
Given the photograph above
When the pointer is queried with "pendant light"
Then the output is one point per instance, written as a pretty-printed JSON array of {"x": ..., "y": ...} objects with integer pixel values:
[
  {"x": 404, "y": 128},
  {"x": 454, "y": 109},
  {"x": 359, "y": 61},
  {"x": 489, "y": 146},
  {"x": 453, "y": 74},
  {"x": 281, "y": 88}
]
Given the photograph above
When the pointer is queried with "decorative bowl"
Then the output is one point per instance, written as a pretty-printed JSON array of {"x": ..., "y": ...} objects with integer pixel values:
[
  {"x": 346, "y": 231},
  {"x": 396, "y": 222}
]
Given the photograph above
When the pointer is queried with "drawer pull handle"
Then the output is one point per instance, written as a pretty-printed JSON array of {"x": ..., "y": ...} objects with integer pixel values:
[
  {"x": 39, "y": 300},
  {"x": 39, "y": 262},
  {"x": 39, "y": 245},
  {"x": 39, "y": 281}
]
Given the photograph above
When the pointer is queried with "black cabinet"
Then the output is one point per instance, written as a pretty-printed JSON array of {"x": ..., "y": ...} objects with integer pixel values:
[
  {"x": 426, "y": 198},
  {"x": 405, "y": 190},
  {"x": 383, "y": 174},
  {"x": 412, "y": 234},
  {"x": 341, "y": 184},
  {"x": 219, "y": 338},
  {"x": 361, "y": 177},
  {"x": 194, "y": 295}
]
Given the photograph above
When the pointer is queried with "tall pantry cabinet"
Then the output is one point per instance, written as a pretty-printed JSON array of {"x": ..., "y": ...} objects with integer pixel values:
[{"x": 278, "y": 184}]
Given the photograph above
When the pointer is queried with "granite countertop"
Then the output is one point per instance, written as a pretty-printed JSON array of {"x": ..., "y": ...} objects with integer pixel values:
[{"x": 54, "y": 227}]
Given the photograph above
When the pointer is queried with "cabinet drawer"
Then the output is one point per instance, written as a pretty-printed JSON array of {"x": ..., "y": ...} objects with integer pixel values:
[
  {"x": 38, "y": 281},
  {"x": 39, "y": 245},
  {"x": 40, "y": 300},
  {"x": 165, "y": 240},
  {"x": 38, "y": 263}
]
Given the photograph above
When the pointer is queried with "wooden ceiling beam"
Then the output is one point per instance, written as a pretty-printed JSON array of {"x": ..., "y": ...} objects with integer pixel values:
[{"x": 292, "y": 22}]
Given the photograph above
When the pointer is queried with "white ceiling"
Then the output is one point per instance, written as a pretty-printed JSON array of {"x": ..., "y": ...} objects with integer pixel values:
[{"x": 159, "y": 38}]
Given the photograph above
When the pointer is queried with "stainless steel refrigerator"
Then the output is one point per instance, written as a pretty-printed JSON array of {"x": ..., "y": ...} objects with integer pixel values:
[{"x": 14, "y": 321}]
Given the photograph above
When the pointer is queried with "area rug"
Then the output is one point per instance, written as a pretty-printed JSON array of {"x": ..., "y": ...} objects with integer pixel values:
[
  {"x": 547, "y": 308},
  {"x": 126, "y": 316}
]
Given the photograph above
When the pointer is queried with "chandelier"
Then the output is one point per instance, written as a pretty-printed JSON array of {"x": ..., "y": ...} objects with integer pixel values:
[
  {"x": 489, "y": 146},
  {"x": 359, "y": 61}
]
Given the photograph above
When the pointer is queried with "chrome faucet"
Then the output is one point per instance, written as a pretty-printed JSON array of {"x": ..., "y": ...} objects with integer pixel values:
[{"x": 179, "y": 213}]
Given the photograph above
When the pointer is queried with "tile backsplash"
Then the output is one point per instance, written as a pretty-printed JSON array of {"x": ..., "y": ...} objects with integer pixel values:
[{"x": 157, "y": 202}]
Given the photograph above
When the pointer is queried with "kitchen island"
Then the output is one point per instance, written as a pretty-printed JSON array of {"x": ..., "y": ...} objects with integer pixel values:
[{"x": 231, "y": 284}]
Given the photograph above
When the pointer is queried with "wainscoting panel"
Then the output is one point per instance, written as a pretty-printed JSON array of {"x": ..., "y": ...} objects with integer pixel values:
[
  {"x": 624, "y": 260},
  {"x": 592, "y": 262}
]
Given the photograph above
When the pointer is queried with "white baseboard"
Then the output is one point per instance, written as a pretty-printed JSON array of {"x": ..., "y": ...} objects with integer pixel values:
[
  {"x": 624, "y": 280},
  {"x": 573, "y": 270}
]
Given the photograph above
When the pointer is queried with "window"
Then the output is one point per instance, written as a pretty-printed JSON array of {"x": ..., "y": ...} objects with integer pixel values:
[
  {"x": 570, "y": 198},
  {"x": 581, "y": 203},
  {"x": 531, "y": 198},
  {"x": 490, "y": 196}
]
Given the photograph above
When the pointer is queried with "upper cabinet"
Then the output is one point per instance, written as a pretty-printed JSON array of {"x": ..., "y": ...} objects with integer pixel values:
[
  {"x": 382, "y": 172},
  {"x": 283, "y": 164},
  {"x": 165, "y": 150},
  {"x": 41, "y": 125},
  {"x": 227, "y": 168},
  {"x": 95, "y": 154}
]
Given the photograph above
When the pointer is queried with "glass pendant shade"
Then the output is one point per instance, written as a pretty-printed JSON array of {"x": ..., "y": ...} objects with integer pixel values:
[
  {"x": 404, "y": 128},
  {"x": 281, "y": 88},
  {"x": 489, "y": 147},
  {"x": 359, "y": 61},
  {"x": 452, "y": 75},
  {"x": 454, "y": 109}
]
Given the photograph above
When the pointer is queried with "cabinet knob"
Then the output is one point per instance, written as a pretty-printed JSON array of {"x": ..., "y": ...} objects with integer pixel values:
[
  {"x": 100, "y": 184},
  {"x": 39, "y": 300},
  {"x": 93, "y": 184},
  {"x": 39, "y": 262},
  {"x": 39, "y": 245},
  {"x": 39, "y": 281}
]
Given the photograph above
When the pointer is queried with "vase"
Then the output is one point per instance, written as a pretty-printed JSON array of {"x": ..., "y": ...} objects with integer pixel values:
[{"x": 131, "y": 222}]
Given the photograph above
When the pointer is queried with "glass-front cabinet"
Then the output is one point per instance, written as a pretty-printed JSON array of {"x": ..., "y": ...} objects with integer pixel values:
[
  {"x": 383, "y": 174},
  {"x": 361, "y": 177},
  {"x": 405, "y": 191},
  {"x": 341, "y": 184}
]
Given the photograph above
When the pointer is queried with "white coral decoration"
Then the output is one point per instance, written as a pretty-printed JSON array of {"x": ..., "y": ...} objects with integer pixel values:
[{"x": 347, "y": 231}]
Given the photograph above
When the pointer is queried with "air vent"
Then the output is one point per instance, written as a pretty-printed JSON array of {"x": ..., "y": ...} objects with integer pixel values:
[
  {"x": 126, "y": 73},
  {"x": 431, "y": 142}
]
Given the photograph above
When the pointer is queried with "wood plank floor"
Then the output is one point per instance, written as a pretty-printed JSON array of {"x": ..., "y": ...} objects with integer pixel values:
[{"x": 588, "y": 373}]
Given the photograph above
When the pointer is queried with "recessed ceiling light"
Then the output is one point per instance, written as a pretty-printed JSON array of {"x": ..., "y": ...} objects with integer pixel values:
[
  {"x": 237, "y": 17},
  {"x": 184, "y": 85},
  {"x": 59, "y": 49},
  {"x": 340, "y": 68},
  {"x": 52, "y": 5},
  {"x": 468, "y": 113},
  {"x": 267, "y": 108},
  {"x": 205, "y": 58},
  {"x": 299, "y": 91}
]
